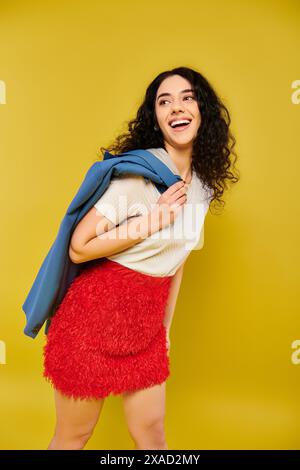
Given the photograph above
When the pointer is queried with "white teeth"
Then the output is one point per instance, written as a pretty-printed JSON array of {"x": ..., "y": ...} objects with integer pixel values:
[{"x": 180, "y": 121}]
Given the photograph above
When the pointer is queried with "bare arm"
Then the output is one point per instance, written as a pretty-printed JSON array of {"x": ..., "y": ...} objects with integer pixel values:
[
  {"x": 86, "y": 245},
  {"x": 95, "y": 236},
  {"x": 173, "y": 295}
]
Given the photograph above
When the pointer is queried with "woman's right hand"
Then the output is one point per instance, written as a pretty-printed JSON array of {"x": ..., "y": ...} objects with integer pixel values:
[{"x": 170, "y": 204}]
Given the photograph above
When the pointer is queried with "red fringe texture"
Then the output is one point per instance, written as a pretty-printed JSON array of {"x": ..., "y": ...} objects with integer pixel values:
[{"x": 107, "y": 335}]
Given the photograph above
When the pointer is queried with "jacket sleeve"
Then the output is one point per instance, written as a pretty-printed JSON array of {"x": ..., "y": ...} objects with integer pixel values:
[{"x": 122, "y": 199}]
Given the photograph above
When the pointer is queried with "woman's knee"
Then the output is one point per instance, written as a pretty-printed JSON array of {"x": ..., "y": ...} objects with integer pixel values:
[
  {"x": 151, "y": 430},
  {"x": 71, "y": 439}
]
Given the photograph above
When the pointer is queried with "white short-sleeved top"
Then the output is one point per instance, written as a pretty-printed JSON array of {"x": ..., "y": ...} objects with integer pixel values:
[{"x": 162, "y": 253}]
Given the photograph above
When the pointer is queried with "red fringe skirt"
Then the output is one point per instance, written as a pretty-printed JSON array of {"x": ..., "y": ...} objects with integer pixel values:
[{"x": 107, "y": 335}]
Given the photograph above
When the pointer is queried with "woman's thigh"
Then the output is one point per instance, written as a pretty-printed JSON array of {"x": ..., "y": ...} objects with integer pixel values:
[
  {"x": 76, "y": 417},
  {"x": 145, "y": 409}
]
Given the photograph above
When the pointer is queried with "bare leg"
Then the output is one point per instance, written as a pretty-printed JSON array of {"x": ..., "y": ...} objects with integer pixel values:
[
  {"x": 75, "y": 421},
  {"x": 145, "y": 413}
]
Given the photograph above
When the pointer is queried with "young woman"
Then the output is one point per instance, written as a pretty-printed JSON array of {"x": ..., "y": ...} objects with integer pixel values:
[{"x": 110, "y": 333}]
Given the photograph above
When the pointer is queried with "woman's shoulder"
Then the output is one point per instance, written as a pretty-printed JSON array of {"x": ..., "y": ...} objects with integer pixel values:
[
  {"x": 137, "y": 186},
  {"x": 131, "y": 179}
]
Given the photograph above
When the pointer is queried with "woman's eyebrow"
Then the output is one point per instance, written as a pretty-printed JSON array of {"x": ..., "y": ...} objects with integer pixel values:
[{"x": 169, "y": 94}]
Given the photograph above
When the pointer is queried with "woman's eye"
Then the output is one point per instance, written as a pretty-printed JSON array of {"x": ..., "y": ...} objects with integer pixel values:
[{"x": 163, "y": 101}]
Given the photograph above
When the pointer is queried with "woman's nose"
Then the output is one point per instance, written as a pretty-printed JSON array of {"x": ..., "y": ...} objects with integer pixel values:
[{"x": 177, "y": 104}]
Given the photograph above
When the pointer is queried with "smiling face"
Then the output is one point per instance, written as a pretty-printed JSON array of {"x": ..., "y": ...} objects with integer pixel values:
[{"x": 175, "y": 100}]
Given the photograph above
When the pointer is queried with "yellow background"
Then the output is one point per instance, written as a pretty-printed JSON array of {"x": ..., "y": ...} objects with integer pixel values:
[{"x": 75, "y": 72}]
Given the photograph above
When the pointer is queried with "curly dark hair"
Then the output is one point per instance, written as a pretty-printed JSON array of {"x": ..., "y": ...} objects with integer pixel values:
[{"x": 213, "y": 158}]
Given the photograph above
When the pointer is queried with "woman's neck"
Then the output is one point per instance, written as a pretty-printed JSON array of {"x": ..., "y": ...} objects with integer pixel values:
[{"x": 182, "y": 160}]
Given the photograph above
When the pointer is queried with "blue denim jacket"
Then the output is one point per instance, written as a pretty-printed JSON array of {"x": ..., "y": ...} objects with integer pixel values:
[{"x": 57, "y": 270}]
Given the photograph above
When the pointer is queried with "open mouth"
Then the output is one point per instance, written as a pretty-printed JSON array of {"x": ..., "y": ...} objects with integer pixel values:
[{"x": 180, "y": 126}]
